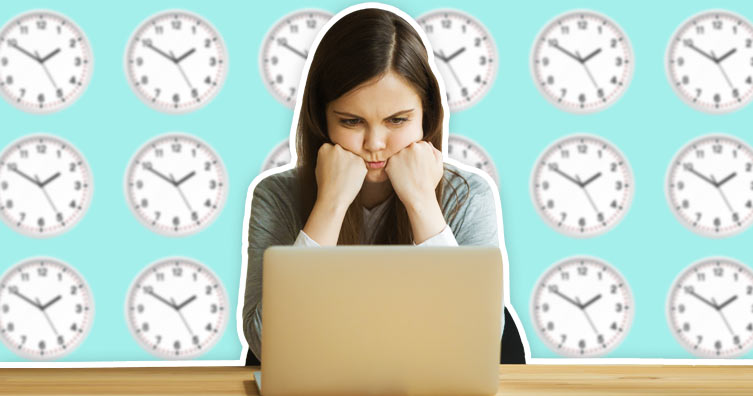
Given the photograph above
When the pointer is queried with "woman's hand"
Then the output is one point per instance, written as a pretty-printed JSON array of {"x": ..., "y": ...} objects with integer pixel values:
[
  {"x": 414, "y": 173},
  {"x": 339, "y": 175}
]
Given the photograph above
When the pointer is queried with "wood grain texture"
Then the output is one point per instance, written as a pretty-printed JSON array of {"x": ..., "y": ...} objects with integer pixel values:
[{"x": 514, "y": 380}]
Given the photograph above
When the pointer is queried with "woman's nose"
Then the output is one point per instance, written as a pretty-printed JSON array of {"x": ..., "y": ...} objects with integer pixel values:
[{"x": 375, "y": 139}]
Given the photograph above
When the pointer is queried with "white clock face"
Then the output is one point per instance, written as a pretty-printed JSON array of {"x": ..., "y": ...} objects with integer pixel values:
[
  {"x": 582, "y": 307},
  {"x": 176, "y": 184},
  {"x": 708, "y": 308},
  {"x": 284, "y": 50},
  {"x": 45, "y": 61},
  {"x": 176, "y": 61},
  {"x": 582, "y": 62},
  {"x": 710, "y": 61},
  {"x": 582, "y": 185},
  {"x": 45, "y": 185},
  {"x": 46, "y": 309},
  {"x": 464, "y": 52},
  {"x": 710, "y": 186},
  {"x": 467, "y": 151},
  {"x": 177, "y": 308},
  {"x": 279, "y": 156}
]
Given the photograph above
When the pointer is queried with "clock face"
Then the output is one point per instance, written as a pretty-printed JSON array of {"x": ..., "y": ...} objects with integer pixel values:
[
  {"x": 45, "y": 61},
  {"x": 176, "y": 184},
  {"x": 279, "y": 156},
  {"x": 582, "y": 185},
  {"x": 467, "y": 151},
  {"x": 710, "y": 186},
  {"x": 46, "y": 308},
  {"x": 464, "y": 53},
  {"x": 176, "y": 61},
  {"x": 582, "y": 307},
  {"x": 710, "y": 61},
  {"x": 284, "y": 51},
  {"x": 582, "y": 62},
  {"x": 177, "y": 308},
  {"x": 708, "y": 308},
  {"x": 45, "y": 185}
]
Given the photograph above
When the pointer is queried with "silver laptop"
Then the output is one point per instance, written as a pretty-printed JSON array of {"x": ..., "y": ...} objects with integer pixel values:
[{"x": 393, "y": 320}]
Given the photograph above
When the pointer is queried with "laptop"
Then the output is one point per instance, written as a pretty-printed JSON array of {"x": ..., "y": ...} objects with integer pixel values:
[{"x": 387, "y": 320}]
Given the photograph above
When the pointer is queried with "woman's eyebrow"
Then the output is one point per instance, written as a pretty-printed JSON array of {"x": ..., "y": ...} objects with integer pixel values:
[
  {"x": 342, "y": 113},
  {"x": 401, "y": 112}
]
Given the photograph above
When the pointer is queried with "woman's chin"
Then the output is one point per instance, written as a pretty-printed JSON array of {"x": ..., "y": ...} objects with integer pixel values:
[{"x": 376, "y": 176}]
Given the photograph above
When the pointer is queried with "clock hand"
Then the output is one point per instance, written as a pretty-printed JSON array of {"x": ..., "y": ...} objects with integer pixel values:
[
  {"x": 724, "y": 318},
  {"x": 724, "y": 197},
  {"x": 568, "y": 53},
  {"x": 49, "y": 179},
  {"x": 454, "y": 54},
  {"x": 186, "y": 177},
  {"x": 696, "y": 49},
  {"x": 588, "y": 317},
  {"x": 15, "y": 291},
  {"x": 48, "y": 320},
  {"x": 590, "y": 179},
  {"x": 454, "y": 75},
  {"x": 183, "y": 318},
  {"x": 566, "y": 176},
  {"x": 183, "y": 73},
  {"x": 50, "y": 55},
  {"x": 440, "y": 56},
  {"x": 159, "y": 51},
  {"x": 729, "y": 300},
  {"x": 285, "y": 44},
  {"x": 184, "y": 303},
  {"x": 695, "y": 172},
  {"x": 590, "y": 200},
  {"x": 47, "y": 71},
  {"x": 724, "y": 73},
  {"x": 46, "y": 195},
  {"x": 24, "y": 175},
  {"x": 156, "y": 172},
  {"x": 694, "y": 294},
  {"x": 723, "y": 57},
  {"x": 591, "y": 301},
  {"x": 726, "y": 179},
  {"x": 158, "y": 297},
  {"x": 185, "y": 200},
  {"x": 184, "y": 56},
  {"x": 568, "y": 299},
  {"x": 588, "y": 71},
  {"x": 27, "y": 53},
  {"x": 53, "y": 301},
  {"x": 591, "y": 55}
]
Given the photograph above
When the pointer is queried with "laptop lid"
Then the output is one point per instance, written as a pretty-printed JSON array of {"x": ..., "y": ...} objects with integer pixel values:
[{"x": 381, "y": 319}]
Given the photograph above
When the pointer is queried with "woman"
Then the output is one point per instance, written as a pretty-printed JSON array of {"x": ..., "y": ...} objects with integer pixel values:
[{"x": 369, "y": 167}]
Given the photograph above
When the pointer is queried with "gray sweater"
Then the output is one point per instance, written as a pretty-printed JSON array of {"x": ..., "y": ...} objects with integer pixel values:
[{"x": 274, "y": 220}]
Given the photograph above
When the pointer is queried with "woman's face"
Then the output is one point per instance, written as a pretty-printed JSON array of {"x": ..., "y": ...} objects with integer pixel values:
[{"x": 376, "y": 120}]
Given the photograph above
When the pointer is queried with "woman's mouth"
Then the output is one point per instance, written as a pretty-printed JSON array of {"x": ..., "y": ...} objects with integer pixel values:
[{"x": 375, "y": 165}]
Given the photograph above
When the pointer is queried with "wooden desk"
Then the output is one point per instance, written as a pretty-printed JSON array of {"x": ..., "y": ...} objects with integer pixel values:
[{"x": 514, "y": 380}]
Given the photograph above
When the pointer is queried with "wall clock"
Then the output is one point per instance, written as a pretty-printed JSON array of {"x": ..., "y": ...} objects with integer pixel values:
[
  {"x": 468, "y": 152},
  {"x": 709, "y": 61},
  {"x": 45, "y": 185},
  {"x": 45, "y": 61},
  {"x": 46, "y": 308},
  {"x": 709, "y": 308},
  {"x": 177, "y": 308},
  {"x": 582, "y": 185},
  {"x": 176, "y": 184},
  {"x": 709, "y": 185},
  {"x": 285, "y": 49},
  {"x": 582, "y": 307},
  {"x": 279, "y": 156},
  {"x": 582, "y": 61},
  {"x": 176, "y": 61},
  {"x": 464, "y": 53}
]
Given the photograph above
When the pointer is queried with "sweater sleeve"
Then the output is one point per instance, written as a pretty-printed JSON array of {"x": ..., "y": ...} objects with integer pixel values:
[{"x": 271, "y": 223}]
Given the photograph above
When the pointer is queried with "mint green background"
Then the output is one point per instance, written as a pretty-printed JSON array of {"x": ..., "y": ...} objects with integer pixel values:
[{"x": 244, "y": 122}]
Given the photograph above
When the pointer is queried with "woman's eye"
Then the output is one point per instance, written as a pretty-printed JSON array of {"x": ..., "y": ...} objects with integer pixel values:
[
  {"x": 398, "y": 120},
  {"x": 350, "y": 121}
]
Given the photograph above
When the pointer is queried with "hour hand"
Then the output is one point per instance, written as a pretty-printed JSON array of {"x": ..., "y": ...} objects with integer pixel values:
[
  {"x": 729, "y": 300},
  {"x": 184, "y": 56},
  {"x": 186, "y": 177},
  {"x": 726, "y": 179}
]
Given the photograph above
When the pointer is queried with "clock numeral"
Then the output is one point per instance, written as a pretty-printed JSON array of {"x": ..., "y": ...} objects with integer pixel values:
[
  {"x": 9, "y": 79},
  {"x": 79, "y": 308},
  {"x": 140, "y": 308},
  {"x": 5, "y": 308},
  {"x": 177, "y": 271},
  {"x": 4, "y": 185},
  {"x": 582, "y": 25},
  {"x": 159, "y": 29},
  {"x": 582, "y": 270},
  {"x": 176, "y": 345},
  {"x": 160, "y": 276},
  {"x": 701, "y": 276},
  {"x": 618, "y": 61},
  {"x": 176, "y": 24},
  {"x": 681, "y": 308},
  {"x": 24, "y": 29},
  {"x": 23, "y": 341},
  {"x": 41, "y": 24},
  {"x": 74, "y": 327},
  {"x": 24, "y": 277},
  {"x": 60, "y": 340},
  {"x": 208, "y": 290},
  {"x": 195, "y": 340},
  {"x": 42, "y": 271},
  {"x": 144, "y": 80},
  {"x": 212, "y": 61},
  {"x": 3, "y": 61},
  {"x": 77, "y": 61},
  {"x": 42, "y": 345},
  {"x": 74, "y": 290},
  {"x": 10, "y": 327},
  {"x": 550, "y": 326},
  {"x": 145, "y": 327},
  {"x": 213, "y": 308},
  {"x": 212, "y": 184},
  {"x": 618, "y": 307}
]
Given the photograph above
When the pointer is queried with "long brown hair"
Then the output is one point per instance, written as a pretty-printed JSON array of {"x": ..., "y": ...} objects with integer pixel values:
[{"x": 363, "y": 45}]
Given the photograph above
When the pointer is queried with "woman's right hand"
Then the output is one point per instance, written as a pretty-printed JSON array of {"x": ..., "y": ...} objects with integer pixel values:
[{"x": 339, "y": 175}]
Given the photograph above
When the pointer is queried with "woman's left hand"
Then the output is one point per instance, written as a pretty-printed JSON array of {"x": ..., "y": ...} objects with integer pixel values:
[{"x": 414, "y": 173}]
